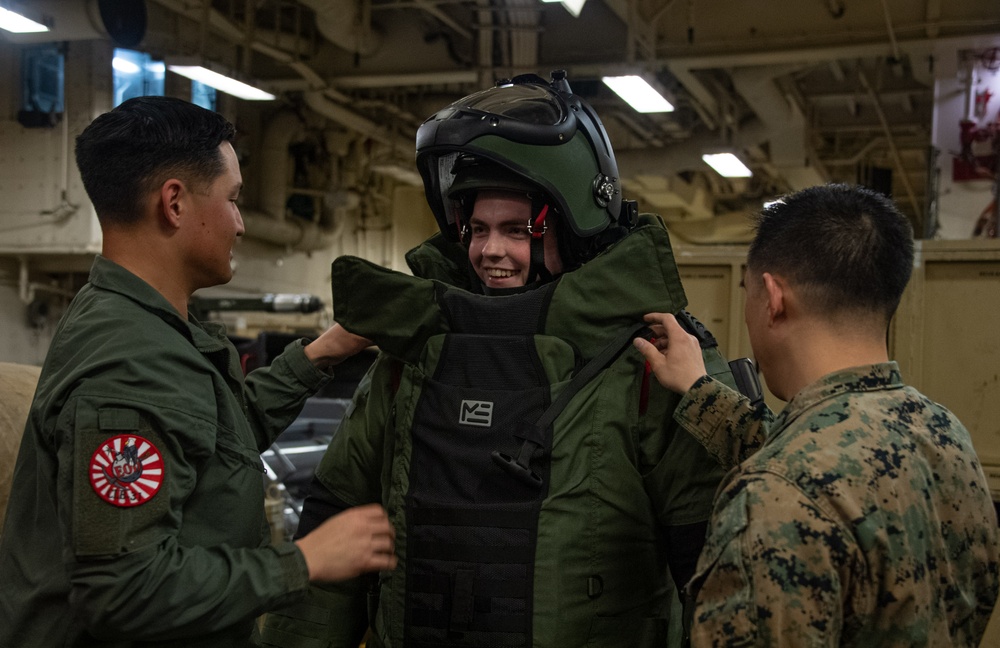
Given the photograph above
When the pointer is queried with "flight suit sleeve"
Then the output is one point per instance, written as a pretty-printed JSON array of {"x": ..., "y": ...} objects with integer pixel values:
[
  {"x": 772, "y": 571},
  {"x": 275, "y": 394},
  {"x": 123, "y": 483},
  {"x": 723, "y": 420},
  {"x": 335, "y": 615}
]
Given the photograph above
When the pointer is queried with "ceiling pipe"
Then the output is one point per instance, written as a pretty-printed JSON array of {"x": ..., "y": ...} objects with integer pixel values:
[
  {"x": 27, "y": 289},
  {"x": 271, "y": 224},
  {"x": 430, "y": 7},
  {"x": 292, "y": 233},
  {"x": 893, "y": 149},
  {"x": 860, "y": 155},
  {"x": 284, "y": 128},
  {"x": 316, "y": 99},
  {"x": 341, "y": 23},
  {"x": 281, "y": 47},
  {"x": 892, "y": 32},
  {"x": 318, "y": 102}
]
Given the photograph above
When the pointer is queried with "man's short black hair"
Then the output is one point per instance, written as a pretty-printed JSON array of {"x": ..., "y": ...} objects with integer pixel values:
[
  {"x": 847, "y": 247},
  {"x": 127, "y": 152}
]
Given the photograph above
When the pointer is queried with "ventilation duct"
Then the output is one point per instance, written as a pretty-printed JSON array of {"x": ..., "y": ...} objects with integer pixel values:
[
  {"x": 270, "y": 224},
  {"x": 340, "y": 22}
]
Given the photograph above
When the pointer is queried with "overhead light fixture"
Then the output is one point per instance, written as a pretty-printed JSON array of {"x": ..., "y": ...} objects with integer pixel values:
[
  {"x": 18, "y": 24},
  {"x": 727, "y": 165},
  {"x": 199, "y": 72},
  {"x": 572, "y": 6},
  {"x": 639, "y": 93},
  {"x": 125, "y": 66}
]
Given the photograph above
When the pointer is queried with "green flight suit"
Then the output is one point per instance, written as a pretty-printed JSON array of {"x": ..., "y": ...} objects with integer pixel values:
[{"x": 180, "y": 556}]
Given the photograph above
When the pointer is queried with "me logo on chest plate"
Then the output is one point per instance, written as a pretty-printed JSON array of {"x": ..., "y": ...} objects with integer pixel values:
[{"x": 479, "y": 413}]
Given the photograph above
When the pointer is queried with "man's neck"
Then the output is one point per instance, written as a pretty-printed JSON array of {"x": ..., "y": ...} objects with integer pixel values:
[
  {"x": 822, "y": 350},
  {"x": 150, "y": 262}
]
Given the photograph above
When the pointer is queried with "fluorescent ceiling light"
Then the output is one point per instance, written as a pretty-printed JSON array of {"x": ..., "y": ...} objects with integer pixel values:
[
  {"x": 125, "y": 66},
  {"x": 221, "y": 82},
  {"x": 638, "y": 93},
  {"x": 727, "y": 164},
  {"x": 18, "y": 24},
  {"x": 572, "y": 6}
]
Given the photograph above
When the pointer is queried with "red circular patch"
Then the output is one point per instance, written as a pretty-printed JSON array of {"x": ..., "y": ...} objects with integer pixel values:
[{"x": 126, "y": 470}]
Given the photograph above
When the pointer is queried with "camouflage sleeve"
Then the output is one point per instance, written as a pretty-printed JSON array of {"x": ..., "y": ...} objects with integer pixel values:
[
  {"x": 723, "y": 421},
  {"x": 774, "y": 571}
]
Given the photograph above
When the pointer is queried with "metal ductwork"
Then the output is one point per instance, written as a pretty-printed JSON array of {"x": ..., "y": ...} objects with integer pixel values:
[
  {"x": 283, "y": 129},
  {"x": 341, "y": 23},
  {"x": 271, "y": 224},
  {"x": 293, "y": 233},
  {"x": 335, "y": 112}
]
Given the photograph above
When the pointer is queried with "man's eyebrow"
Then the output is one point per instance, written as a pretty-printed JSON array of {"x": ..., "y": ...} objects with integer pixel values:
[{"x": 513, "y": 220}]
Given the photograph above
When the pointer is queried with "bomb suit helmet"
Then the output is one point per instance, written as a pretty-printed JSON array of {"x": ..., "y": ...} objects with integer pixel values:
[{"x": 536, "y": 136}]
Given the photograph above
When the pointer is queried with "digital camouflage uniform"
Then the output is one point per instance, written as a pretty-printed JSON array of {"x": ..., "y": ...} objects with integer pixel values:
[
  {"x": 136, "y": 515},
  {"x": 862, "y": 518}
]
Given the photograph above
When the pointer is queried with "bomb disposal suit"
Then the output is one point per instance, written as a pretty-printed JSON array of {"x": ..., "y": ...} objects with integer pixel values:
[{"x": 541, "y": 493}]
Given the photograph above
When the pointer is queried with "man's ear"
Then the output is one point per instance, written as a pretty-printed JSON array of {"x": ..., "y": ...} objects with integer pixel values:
[
  {"x": 171, "y": 207},
  {"x": 776, "y": 288}
]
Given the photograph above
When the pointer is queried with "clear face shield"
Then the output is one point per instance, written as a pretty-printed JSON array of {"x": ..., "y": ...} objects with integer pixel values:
[
  {"x": 525, "y": 112},
  {"x": 445, "y": 174}
]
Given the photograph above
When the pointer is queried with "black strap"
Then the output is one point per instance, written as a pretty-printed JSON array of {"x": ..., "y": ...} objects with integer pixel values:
[
  {"x": 532, "y": 433},
  {"x": 537, "y": 269},
  {"x": 618, "y": 344},
  {"x": 462, "y": 599},
  {"x": 537, "y": 266}
]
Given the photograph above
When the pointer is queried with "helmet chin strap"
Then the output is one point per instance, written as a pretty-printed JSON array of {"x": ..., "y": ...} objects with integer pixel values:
[{"x": 537, "y": 270}]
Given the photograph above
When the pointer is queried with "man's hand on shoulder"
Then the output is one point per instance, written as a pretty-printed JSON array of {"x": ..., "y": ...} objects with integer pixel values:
[{"x": 674, "y": 355}]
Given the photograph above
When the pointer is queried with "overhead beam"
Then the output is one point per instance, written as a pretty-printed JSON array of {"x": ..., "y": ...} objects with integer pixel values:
[
  {"x": 751, "y": 58},
  {"x": 903, "y": 175}
]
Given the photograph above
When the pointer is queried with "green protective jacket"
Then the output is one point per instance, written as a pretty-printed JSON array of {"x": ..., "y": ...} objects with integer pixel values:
[
  {"x": 622, "y": 475},
  {"x": 93, "y": 556}
]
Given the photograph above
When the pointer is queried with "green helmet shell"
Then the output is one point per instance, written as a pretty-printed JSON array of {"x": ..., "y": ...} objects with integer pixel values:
[{"x": 541, "y": 133}]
